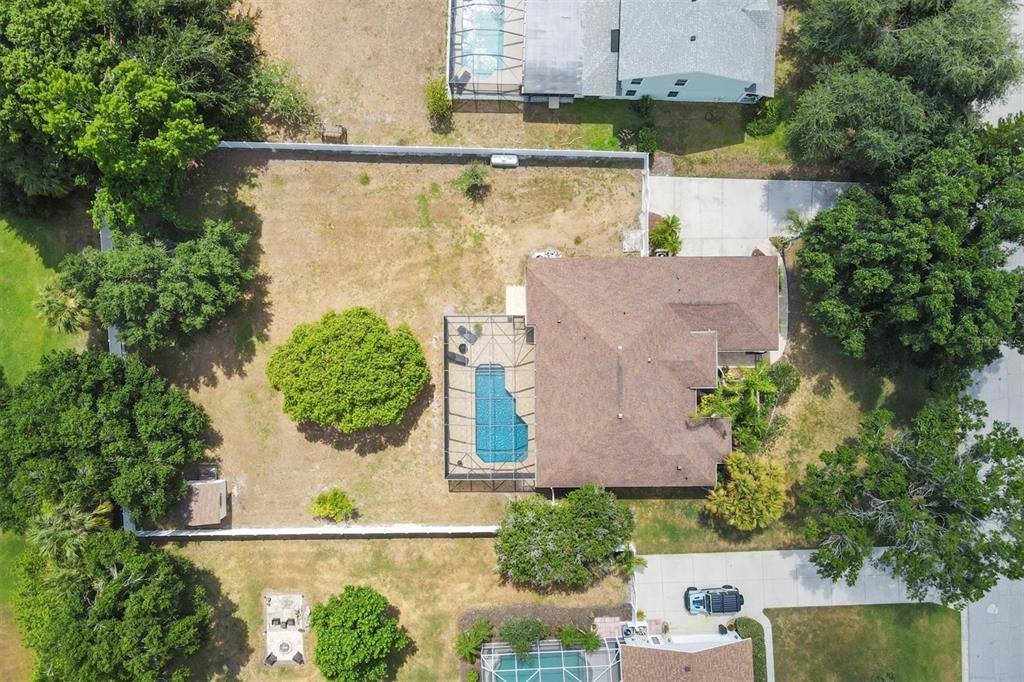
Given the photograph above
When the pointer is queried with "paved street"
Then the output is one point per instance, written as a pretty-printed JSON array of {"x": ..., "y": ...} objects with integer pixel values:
[
  {"x": 726, "y": 217},
  {"x": 775, "y": 579}
]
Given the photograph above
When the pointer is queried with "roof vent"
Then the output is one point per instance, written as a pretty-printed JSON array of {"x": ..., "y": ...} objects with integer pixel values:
[
  {"x": 693, "y": 38},
  {"x": 620, "y": 415}
]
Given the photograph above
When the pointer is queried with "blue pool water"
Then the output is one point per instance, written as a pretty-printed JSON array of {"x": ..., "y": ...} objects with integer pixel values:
[
  {"x": 483, "y": 42},
  {"x": 544, "y": 667},
  {"x": 501, "y": 434}
]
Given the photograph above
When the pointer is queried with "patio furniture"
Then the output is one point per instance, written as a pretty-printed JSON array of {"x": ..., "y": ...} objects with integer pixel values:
[
  {"x": 466, "y": 334},
  {"x": 457, "y": 359}
]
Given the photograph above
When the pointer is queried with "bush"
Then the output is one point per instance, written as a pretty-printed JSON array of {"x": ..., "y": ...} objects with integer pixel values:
[
  {"x": 356, "y": 638},
  {"x": 665, "y": 235},
  {"x": 767, "y": 117},
  {"x": 748, "y": 628},
  {"x": 573, "y": 635},
  {"x": 469, "y": 641},
  {"x": 752, "y": 496},
  {"x": 284, "y": 101},
  {"x": 785, "y": 376},
  {"x": 473, "y": 181},
  {"x": 521, "y": 634},
  {"x": 473, "y": 676},
  {"x": 647, "y": 139},
  {"x": 643, "y": 107},
  {"x": 569, "y": 544},
  {"x": 439, "y": 103},
  {"x": 333, "y": 504},
  {"x": 747, "y": 398},
  {"x": 349, "y": 371}
]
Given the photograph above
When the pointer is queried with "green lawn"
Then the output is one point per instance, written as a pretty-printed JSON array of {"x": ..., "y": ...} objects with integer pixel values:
[
  {"x": 29, "y": 250},
  {"x": 14, "y": 660},
  {"x": 904, "y": 642}
]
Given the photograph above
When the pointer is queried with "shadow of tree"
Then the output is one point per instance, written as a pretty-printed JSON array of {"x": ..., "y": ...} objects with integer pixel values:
[
  {"x": 369, "y": 441},
  {"x": 398, "y": 658},
  {"x": 227, "y": 648}
]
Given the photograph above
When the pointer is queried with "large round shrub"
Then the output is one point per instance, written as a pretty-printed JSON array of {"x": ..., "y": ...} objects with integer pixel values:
[
  {"x": 356, "y": 637},
  {"x": 349, "y": 371}
]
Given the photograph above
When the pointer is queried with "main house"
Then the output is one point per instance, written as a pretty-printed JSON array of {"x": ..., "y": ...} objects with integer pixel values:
[
  {"x": 556, "y": 50},
  {"x": 595, "y": 371}
]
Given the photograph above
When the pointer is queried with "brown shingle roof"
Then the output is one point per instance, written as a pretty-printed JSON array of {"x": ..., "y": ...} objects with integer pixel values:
[
  {"x": 727, "y": 663},
  {"x": 634, "y": 337}
]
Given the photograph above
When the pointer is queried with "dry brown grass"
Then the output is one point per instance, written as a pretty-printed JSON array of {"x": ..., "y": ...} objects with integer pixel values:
[
  {"x": 430, "y": 582},
  {"x": 408, "y": 245}
]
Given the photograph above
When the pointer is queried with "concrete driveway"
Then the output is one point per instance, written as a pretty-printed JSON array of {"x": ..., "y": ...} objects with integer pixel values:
[
  {"x": 726, "y": 217},
  {"x": 775, "y": 579}
]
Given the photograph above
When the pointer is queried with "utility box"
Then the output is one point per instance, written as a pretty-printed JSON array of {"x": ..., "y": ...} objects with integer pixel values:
[{"x": 504, "y": 161}]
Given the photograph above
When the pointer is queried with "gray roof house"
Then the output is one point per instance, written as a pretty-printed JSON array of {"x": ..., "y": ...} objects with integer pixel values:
[{"x": 671, "y": 50}]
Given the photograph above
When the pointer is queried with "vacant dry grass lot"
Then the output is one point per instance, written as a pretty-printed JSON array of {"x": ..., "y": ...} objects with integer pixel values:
[
  {"x": 905, "y": 642},
  {"x": 395, "y": 237},
  {"x": 364, "y": 64},
  {"x": 430, "y": 582}
]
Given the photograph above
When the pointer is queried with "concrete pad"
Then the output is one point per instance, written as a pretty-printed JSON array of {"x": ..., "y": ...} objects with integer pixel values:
[{"x": 730, "y": 217}]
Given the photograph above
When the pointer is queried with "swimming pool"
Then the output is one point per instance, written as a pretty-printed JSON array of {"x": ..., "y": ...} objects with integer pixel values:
[
  {"x": 554, "y": 666},
  {"x": 501, "y": 434},
  {"x": 483, "y": 38}
]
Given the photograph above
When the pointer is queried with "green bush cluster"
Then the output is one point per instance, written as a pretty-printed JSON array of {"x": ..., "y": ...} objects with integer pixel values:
[
  {"x": 767, "y": 117},
  {"x": 572, "y": 636},
  {"x": 748, "y": 398},
  {"x": 439, "y": 104},
  {"x": 568, "y": 544},
  {"x": 473, "y": 181},
  {"x": 284, "y": 101},
  {"x": 333, "y": 504},
  {"x": 521, "y": 634},
  {"x": 349, "y": 371},
  {"x": 470, "y": 640},
  {"x": 665, "y": 235},
  {"x": 753, "y": 494},
  {"x": 748, "y": 628}
]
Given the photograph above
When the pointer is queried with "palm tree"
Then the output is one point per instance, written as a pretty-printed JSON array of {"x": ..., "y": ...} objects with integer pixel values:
[
  {"x": 61, "y": 308},
  {"x": 59, "y": 532}
]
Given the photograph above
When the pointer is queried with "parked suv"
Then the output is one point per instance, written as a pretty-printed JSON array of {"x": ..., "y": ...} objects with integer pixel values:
[{"x": 713, "y": 601}]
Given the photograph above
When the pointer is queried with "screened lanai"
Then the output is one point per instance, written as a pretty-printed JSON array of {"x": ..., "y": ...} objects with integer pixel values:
[
  {"x": 486, "y": 48},
  {"x": 489, "y": 397},
  {"x": 549, "y": 661}
]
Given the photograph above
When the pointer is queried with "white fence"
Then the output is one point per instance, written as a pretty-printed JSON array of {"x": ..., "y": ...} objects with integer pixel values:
[{"x": 399, "y": 530}]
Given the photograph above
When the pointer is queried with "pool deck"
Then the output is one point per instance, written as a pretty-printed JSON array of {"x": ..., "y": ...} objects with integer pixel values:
[{"x": 501, "y": 340}]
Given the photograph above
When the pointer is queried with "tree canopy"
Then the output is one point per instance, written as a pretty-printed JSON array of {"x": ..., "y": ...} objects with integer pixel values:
[
  {"x": 917, "y": 272},
  {"x": 945, "y": 500},
  {"x": 568, "y": 544},
  {"x": 356, "y": 636},
  {"x": 894, "y": 77},
  {"x": 349, "y": 371},
  {"x": 121, "y": 611},
  {"x": 87, "y": 427},
  {"x": 158, "y": 293},
  {"x": 71, "y": 48}
]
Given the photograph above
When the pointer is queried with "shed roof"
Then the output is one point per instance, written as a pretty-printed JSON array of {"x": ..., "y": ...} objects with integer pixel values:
[
  {"x": 726, "y": 663},
  {"x": 732, "y": 39},
  {"x": 206, "y": 504},
  {"x": 622, "y": 346}
]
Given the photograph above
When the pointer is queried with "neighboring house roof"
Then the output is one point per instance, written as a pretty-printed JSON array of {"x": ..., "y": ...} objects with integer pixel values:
[
  {"x": 553, "y": 60},
  {"x": 726, "y": 663},
  {"x": 734, "y": 39},
  {"x": 600, "y": 64},
  {"x": 635, "y": 337}
]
